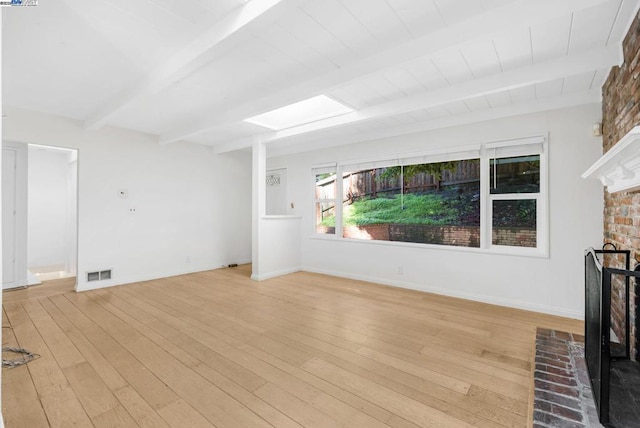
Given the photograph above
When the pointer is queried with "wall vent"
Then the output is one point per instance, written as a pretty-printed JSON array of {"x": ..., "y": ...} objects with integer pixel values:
[{"x": 99, "y": 275}]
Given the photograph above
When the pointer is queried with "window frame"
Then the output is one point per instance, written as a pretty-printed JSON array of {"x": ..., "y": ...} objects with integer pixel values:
[
  {"x": 536, "y": 145},
  {"x": 327, "y": 168},
  {"x": 511, "y": 148}
]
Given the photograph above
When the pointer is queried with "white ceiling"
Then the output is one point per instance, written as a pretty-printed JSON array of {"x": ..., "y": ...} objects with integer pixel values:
[{"x": 192, "y": 70}]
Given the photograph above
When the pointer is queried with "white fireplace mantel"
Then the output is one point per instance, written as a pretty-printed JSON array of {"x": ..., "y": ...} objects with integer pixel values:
[{"x": 619, "y": 168}]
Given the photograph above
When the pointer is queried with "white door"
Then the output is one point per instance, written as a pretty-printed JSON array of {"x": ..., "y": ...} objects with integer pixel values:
[{"x": 8, "y": 218}]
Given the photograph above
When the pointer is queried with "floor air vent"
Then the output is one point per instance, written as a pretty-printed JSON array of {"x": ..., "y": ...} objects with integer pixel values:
[{"x": 99, "y": 275}]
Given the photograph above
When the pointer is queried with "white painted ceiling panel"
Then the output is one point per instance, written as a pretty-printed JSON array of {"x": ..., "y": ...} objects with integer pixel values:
[
  {"x": 404, "y": 81},
  {"x": 192, "y": 14},
  {"x": 549, "y": 89},
  {"x": 523, "y": 94},
  {"x": 437, "y": 112},
  {"x": 578, "y": 83},
  {"x": 41, "y": 70},
  {"x": 93, "y": 60},
  {"x": 600, "y": 78},
  {"x": 342, "y": 24},
  {"x": 374, "y": 89},
  {"x": 491, "y": 4},
  {"x": 551, "y": 39},
  {"x": 426, "y": 72},
  {"x": 419, "y": 17},
  {"x": 514, "y": 48},
  {"x": 405, "y": 119},
  {"x": 499, "y": 99},
  {"x": 452, "y": 66},
  {"x": 153, "y": 15},
  {"x": 345, "y": 96},
  {"x": 310, "y": 32},
  {"x": 140, "y": 40},
  {"x": 478, "y": 103},
  {"x": 380, "y": 20},
  {"x": 459, "y": 107},
  {"x": 311, "y": 59},
  {"x": 591, "y": 27},
  {"x": 453, "y": 11},
  {"x": 482, "y": 58}
]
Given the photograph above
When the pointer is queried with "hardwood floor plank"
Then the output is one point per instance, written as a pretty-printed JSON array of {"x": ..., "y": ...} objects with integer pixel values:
[
  {"x": 295, "y": 408},
  {"x": 148, "y": 385},
  {"x": 114, "y": 418},
  {"x": 213, "y": 403},
  {"x": 58, "y": 399},
  {"x": 215, "y": 349},
  {"x": 20, "y": 407},
  {"x": 93, "y": 393},
  {"x": 139, "y": 409},
  {"x": 328, "y": 398},
  {"x": 180, "y": 414},
  {"x": 212, "y": 360},
  {"x": 63, "y": 410},
  {"x": 396, "y": 403},
  {"x": 105, "y": 370},
  {"x": 63, "y": 350}
]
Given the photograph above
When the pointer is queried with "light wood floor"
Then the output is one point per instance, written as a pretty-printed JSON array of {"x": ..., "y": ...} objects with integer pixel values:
[{"x": 217, "y": 349}]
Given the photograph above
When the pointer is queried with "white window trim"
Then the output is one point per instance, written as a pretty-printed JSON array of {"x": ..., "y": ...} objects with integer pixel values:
[
  {"x": 520, "y": 147},
  {"x": 514, "y": 147},
  {"x": 319, "y": 169}
]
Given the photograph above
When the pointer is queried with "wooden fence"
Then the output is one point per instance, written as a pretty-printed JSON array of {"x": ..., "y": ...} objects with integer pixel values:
[{"x": 370, "y": 182}]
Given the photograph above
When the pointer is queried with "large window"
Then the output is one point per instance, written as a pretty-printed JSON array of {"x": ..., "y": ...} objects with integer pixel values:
[
  {"x": 490, "y": 197},
  {"x": 420, "y": 202}
]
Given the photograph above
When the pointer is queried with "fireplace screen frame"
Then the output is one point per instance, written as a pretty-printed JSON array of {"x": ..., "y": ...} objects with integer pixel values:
[{"x": 598, "y": 281}]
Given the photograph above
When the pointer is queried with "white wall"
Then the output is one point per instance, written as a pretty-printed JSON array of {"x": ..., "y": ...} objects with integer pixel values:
[
  {"x": 276, "y": 239},
  {"x": 192, "y": 208},
  {"x": 50, "y": 202},
  {"x": 551, "y": 285}
]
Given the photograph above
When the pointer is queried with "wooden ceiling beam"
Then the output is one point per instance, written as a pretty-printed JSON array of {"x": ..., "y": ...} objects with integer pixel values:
[
  {"x": 236, "y": 25},
  {"x": 570, "y": 65},
  {"x": 516, "y": 14}
]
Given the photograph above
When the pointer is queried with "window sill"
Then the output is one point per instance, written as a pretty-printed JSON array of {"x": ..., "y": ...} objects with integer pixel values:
[
  {"x": 281, "y": 217},
  {"x": 497, "y": 250}
]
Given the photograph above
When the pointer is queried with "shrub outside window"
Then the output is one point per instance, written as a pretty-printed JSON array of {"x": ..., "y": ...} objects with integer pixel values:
[{"x": 427, "y": 203}]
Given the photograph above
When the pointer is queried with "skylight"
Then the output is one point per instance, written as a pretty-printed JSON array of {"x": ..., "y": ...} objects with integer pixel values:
[{"x": 306, "y": 111}]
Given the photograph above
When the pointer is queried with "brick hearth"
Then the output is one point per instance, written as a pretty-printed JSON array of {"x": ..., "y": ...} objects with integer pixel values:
[{"x": 563, "y": 396}]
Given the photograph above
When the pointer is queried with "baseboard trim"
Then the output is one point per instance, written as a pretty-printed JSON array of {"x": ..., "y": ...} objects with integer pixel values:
[
  {"x": 509, "y": 303},
  {"x": 144, "y": 277},
  {"x": 275, "y": 274}
]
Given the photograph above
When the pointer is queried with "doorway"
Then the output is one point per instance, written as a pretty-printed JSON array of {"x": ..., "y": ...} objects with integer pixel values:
[
  {"x": 39, "y": 195},
  {"x": 52, "y": 212}
]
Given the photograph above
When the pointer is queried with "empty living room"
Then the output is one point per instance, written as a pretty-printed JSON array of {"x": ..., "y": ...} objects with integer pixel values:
[{"x": 337, "y": 213}]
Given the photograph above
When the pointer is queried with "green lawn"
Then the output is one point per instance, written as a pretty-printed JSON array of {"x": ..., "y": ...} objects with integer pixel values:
[{"x": 433, "y": 209}]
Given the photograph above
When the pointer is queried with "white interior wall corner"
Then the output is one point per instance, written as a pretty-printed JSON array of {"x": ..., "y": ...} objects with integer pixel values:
[
  {"x": 176, "y": 191},
  {"x": 551, "y": 285}
]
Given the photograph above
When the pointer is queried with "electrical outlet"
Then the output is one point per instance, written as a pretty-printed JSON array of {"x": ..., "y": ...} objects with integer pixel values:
[{"x": 400, "y": 270}]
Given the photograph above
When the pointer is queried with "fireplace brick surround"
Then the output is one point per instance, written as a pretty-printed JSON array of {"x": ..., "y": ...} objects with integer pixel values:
[{"x": 621, "y": 112}]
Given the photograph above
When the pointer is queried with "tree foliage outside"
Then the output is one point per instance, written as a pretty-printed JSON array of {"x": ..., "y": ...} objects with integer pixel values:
[{"x": 409, "y": 171}]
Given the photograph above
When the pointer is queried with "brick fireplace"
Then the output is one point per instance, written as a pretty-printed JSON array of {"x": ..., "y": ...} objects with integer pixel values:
[{"x": 621, "y": 112}]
